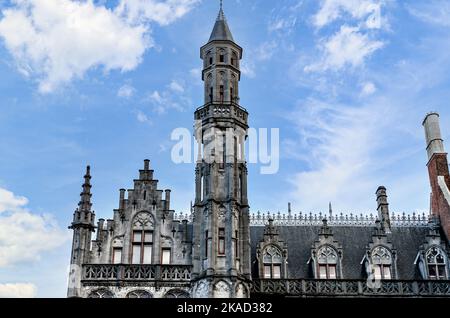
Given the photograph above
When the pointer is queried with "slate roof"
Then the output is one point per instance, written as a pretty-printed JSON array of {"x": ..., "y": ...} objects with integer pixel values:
[
  {"x": 354, "y": 241},
  {"x": 221, "y": 31}
]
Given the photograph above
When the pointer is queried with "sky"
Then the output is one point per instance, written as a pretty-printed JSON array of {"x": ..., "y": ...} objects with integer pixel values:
[{"x": 104, "y": 83}]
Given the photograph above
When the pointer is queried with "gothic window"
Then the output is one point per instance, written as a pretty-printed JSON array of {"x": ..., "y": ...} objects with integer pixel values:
[
  {"x": 202, "y": 187},
  {"x": 206, "y": 244},
  {"x": 272, "y": 260},
  {"x": 221, "y": 241},
  {"x": 176, "y": 293},
  {"x": 436, "y": 263},
  {"x": 327, "y": 260},
  {"x": 101, "y": 293},
  {"x": 236, "y": 244},
  {"x": 165, "y": 256},
  {"x": 209, "y": 87},
  {"x": 139, "y": 294},
  {"x": 221, "y": 93},
  {"x": 381, "y": 263},
  {"x": 222, "y": 57},
  {"x": 142, "y": 239},
  {"x": 145, "y": 195},
  {"x": 234, "y": 59},
  {"x": 117, "y": 255}
]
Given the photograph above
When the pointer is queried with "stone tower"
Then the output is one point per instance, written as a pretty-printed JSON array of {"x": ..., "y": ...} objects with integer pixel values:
[
  {"x": 82, "y": 226},
  {"x": 221, "y": 247}
]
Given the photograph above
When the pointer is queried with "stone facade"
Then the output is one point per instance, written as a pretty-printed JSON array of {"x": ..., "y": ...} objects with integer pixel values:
[{"x": 220, "y": 250}]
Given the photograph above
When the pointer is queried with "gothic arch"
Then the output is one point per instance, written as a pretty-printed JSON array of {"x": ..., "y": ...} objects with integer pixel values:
[
  {"x": 221, "y": 289},
  {"x": 177, "y": 293},
  {"x": 101, "y": 293},
  {"x": 241, "y": 291},
  {"x": 139, "y": 294},
  {"x": 143, "y": 220}
]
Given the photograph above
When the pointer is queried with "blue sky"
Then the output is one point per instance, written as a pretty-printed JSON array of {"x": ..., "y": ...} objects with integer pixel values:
[{"x": 105, "y": 82}]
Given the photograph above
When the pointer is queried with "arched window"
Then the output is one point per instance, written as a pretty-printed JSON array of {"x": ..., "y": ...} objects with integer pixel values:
[
  {"x": 381, "y": 260},
  {"x": 234, "y": 59},
  {"x": 142, "y": 238},
  {"x": 101, "y": 293},
  {"x": 327, "y": 260},
  {"x": 209, "y": 87},
  {"x": 176, "y": 293},
  {"x": 436, "y": 263},
  {"x": 272, "y": 260},
  {"x": 139, "y": 294}
]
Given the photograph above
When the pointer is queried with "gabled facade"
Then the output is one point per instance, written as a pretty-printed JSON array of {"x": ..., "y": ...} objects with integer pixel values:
[{"x": 220, "y": 249}]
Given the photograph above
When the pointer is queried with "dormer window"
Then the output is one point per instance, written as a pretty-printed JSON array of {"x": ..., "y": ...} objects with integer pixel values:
[
  {"x": 272, "y": 260},
  {"x": 327, "y": 260},
  {"x": 381, "y": 263},
  {"x": 436, "y": 263}
]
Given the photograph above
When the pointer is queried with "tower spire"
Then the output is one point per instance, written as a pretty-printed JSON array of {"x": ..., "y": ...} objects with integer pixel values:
[{"x": 85, "y": 196}]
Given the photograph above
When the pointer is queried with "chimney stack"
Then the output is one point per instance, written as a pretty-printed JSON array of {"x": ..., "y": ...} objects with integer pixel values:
[
  {"x": 433, "y": 137},
  {"x": 383, "y": 209},
  {"x": 438, "y": 171}
]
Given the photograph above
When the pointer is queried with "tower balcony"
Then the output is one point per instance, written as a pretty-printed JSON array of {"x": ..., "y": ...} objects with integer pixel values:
[{"x": 222, "y": 111}]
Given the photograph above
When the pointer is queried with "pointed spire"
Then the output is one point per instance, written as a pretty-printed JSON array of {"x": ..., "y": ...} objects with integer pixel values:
[
  {"x": 85, "y": 196},
  {"x": 221, "y": 31},
  {"x": 330, "y": 209}
]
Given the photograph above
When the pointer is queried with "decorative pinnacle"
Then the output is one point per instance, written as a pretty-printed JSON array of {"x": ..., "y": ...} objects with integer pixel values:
[
  {"x": 221, "y": 16},
  {"x": 85, "y": 200}
]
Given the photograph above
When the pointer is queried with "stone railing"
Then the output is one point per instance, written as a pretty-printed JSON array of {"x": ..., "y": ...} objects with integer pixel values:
[
  {"x": 350, "y": 288},
  {"x": 124, "y": 272},
  {"x": 289, "y": 219},
  {"x": 182, "y": 216},
  {"x": 294, "y": 219},
  {"x": 226, "y": 109}
]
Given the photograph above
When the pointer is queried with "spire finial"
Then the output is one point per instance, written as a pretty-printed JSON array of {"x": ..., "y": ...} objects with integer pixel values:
[
  {"x": 221, "y": 4},
  {"x": 85, "y": 196}
]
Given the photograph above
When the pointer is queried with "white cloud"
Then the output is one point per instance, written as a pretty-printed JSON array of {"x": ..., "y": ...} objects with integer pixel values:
[
  {"x": 367, "y": 10},
  {"x": 172, "y": 98},
  {"x": 176, "y": 87},
  {"x": 162, "y": 12},
  {"x": 8, "y": 201},
  {"x": 126, "y": 91},
  {"x": 261, "y": 53},
  {"x": 24, "y": 235},
  {"x": 196, "y": 72},
  {"x": 19, "y": 290},
  {"x": 347, "y": 47},
  {"x": 55, "y": 42},
  {"x": 248, "y": 69},
  {"x": 433, "y": 12},
  {"x": 142, "y": 118},
  {"x": 340, "y": 142},
  {"x": 368, "y": 88}
]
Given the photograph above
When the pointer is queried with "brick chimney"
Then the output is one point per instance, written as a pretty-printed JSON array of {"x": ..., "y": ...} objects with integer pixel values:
[{"x": 438, "y": 171}]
